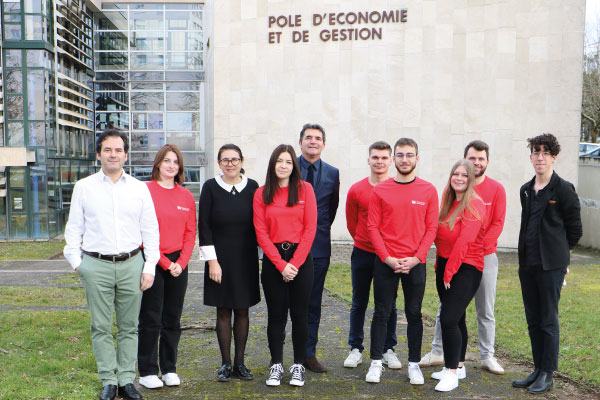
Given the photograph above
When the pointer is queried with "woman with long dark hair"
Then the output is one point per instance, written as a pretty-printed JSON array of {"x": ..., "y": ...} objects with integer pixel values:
[
  {"x": 285, "y": 218},
  {"x": 162, "y": 304},
  {"x": 459, "y": 267},
  {"x": 228, "y": 244}
]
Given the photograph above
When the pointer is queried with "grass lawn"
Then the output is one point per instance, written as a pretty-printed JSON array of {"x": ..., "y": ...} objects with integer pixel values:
[
  {"x": 579, "y": 317},
  {"x": 30, "y": 250}
]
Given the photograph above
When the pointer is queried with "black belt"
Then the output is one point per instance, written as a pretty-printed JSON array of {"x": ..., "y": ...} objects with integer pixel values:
[
  {"x": 113, "y": 257},
  {"x": 285, "y": 246}
]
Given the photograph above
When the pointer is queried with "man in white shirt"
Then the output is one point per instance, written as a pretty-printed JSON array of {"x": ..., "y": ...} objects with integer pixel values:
[{"x": 111, "y": 215}]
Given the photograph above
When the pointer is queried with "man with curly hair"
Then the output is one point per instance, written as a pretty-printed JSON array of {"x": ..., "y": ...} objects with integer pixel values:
[{"x": 550, "y": 230}]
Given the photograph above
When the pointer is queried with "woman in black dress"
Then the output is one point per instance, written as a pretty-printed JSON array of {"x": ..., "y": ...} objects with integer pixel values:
[{"x": 228, "y": 244}]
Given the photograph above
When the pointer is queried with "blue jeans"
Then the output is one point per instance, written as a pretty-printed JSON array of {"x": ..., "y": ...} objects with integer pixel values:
[{"x": 361, "y": 265}]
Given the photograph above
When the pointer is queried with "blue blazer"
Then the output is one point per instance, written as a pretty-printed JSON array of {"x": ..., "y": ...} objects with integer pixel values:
[{"x": 327, "y": 193}]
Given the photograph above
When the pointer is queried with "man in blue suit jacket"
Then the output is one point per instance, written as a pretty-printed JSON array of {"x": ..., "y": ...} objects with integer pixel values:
[{"x": 325, "y": 180}]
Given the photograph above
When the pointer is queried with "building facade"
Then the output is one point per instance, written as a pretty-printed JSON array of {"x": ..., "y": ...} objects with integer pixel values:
[{"x": 72, "y": 68}]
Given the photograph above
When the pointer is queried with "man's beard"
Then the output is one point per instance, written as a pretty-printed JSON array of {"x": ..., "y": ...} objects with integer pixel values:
[
  {"x": 406, "y": 173},
  {"x": 480, "y": 173}
]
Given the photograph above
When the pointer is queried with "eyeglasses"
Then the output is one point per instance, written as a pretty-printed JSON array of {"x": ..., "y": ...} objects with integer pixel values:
[
  {"x": 407, "y": 155},
  {"x": 537, "y": 153},
  {"x": 227, "y": 161}
]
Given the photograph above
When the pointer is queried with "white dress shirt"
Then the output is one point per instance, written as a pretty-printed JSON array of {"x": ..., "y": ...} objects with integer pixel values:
[{"x": 111, "y": 218}]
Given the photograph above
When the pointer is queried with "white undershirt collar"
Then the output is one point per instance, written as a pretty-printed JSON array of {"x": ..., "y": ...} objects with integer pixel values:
[{"x": 238, "y": 186}]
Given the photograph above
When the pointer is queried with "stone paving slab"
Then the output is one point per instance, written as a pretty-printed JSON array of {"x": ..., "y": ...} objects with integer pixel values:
[{"x": 199, "y": 356}]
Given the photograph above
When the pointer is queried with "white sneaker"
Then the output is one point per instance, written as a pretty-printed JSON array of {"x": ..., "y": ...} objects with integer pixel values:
[
  {"x": 353, "y": 359},
  {"x": 448, "y": 382},
  {"x": 461, "y": 372},
  {"x": 390, "y": 359},
  {"x": 297, "y": 371},
  {"x": 151, "y": 382},
  {"x": 275, "y": 375},
  {"x": 414, "y": 374},
  {"x": 491, "y": 365},
  {"x": 171, "y": 379},
  {"x": 374, "y": 374},
  {"x": 431, "y": 359}
]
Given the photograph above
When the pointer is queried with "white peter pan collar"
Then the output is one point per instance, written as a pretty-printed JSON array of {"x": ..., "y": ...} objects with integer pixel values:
[{"x": 238, "y": 186}]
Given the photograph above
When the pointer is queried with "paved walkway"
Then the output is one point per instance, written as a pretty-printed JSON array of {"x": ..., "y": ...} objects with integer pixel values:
[{"x": 199, "y": 355}]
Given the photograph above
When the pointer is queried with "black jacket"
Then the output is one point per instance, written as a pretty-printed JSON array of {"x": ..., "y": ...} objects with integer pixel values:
[{"x": 560, "y": 225}]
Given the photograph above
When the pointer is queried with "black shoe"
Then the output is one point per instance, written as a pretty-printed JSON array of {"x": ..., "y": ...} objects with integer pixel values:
[
  {"x": 542, "y": 384},
  {"x": 224, "y": 373},
  {"x": 242, "y": 372},
  {"x": 525, "y": 382},
  {"x": 129, "y": 392},
  {"x": 108, "y": 392}
]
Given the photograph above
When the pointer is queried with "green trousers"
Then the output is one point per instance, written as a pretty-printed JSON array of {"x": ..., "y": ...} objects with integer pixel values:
[{"x": 113, "y": 287}]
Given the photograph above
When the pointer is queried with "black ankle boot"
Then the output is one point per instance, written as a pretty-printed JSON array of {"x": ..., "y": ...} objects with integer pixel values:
[
  {"x": 542, "y": 384},
  {"x": 525, "y": 382}
]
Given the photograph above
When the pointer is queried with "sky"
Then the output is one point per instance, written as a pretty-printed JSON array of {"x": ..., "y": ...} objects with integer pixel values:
[{"x": 592, "y": 14}]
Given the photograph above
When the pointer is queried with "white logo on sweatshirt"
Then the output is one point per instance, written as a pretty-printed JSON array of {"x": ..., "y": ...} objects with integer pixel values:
[
  {"x": 183, "y": 208},
  {"x": 417, "y": 202}
]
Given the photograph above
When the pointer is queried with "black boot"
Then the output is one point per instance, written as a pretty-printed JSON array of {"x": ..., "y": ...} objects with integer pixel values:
[
  {"x": 542, "y": 384},
  {"x": 523, "y": 383}
]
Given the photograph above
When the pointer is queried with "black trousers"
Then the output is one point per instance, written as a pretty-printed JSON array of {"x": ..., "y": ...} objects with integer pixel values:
[
  {"x": 463, "y": 286},
  {"x": 160, "y": 315},
  {"x": 385, "y": 289},
  {"x": 541, "y": 294},
  {"x": 283, "y": 296}
]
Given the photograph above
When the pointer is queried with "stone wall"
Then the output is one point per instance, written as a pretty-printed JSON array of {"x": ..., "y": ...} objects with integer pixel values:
[{"x": 456, "y": 70}]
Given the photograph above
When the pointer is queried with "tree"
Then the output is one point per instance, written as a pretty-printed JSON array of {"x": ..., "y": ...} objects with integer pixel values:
[{"x": 590, "y": 105}]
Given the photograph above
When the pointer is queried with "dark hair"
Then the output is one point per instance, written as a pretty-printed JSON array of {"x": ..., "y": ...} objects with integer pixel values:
[
  {"x": 271, "y": 182},
  {"x": 547, "y": 140},
  {"x": 160, "y": 156},
  {"x": 380, "y": 145},
  {"x": 478, "y": 145},
  {"x": 312, "y": 126},
  {"x": 406, "y": 142},
  {"x": 231, "y": 146},
  {"x": 112, "y": 133}
]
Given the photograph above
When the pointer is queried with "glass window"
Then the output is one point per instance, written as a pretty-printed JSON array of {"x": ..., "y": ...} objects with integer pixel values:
[
  {"x": 12, "y": 18},
  {"x": 38, "y": 187},
  {"x": 3, "y": 227},
  {"x": 179, "y": 6},
  {"x": 147, "y": 101},
  {"x": 142, "y": 173},
  {"x": 35, "y": 102},
  {"x": 36, "y": 58},
  {"x": 147, "y": 76},
  {"x": 112, "y": 120},
  {"x": 40, "y": 226},
  {"x": 111, "y": 86},
  {"x": 14, "y": 81},
  {"x": 149, "y": 141},
  {"x": 192, "y": 174},
  {"x": 37, "y": 134},
  {"x": 183, "y": 19},
  {"x": 18, "y": 226},
  {"x": 33, "y": 6},
  {"x": 146, "y": 86},
  {"x": 14, "y": 107},
  {"x": 17, "y": 177},
  {"x": 12, "y": 31},
  {"x": 183, "y": 121},
  {"x": 140, "y": 121},
  {"x": 147, "y": 61},
  {"x": 111, "y": 76},
  {"x": 145, "y": 20},
  {"x": 194, "y": 158},
  {"x": 110, "y": 60},
  {"x": 141, "y": 158},
  {"x": 112, "y": 20},
  {"x": 155, "y": 121},
  {"x": 184, "y": 61},
  {"x": 183, "y": 85},
  {"x": 15, "y": 134},
  {"x": 149, "y": 40},
  {"x": 185, "y": 76},
  {"x": 12, "y": 58},
  {"x": 112, "y": 101},
  {"x": 33, "y": 27},
  {"x": 184, "y": 41},
  {"x": 12, "y": 6},
  {"x": 185, "y": 140},
  {"x": 183, "y": 101},
  {"x": 111, "y": 41}
]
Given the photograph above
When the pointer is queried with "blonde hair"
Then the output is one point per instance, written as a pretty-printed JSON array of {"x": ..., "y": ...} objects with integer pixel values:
[{"x": 449, "y": 196}]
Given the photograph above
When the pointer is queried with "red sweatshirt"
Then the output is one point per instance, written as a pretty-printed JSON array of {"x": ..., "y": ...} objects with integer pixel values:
[
  {"x": 403, "y": 218},
  {"x": 278, "y": 223},
  {"x": 463, "y": 244},
  {"x": 494, "y": 197},
  {"x": 176, "y": 214},
  {"x": 357, "y": 214}
]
